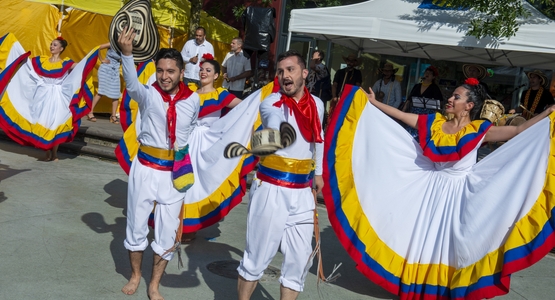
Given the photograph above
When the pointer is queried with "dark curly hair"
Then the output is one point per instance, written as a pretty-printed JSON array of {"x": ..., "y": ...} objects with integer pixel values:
[{"x": 476, "y": 94}]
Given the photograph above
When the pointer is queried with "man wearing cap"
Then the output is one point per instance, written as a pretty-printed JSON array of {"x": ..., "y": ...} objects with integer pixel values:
[
  {"x": 536, "y": 98},
  {"x": 387, "y": 89},
  {"x": 192, "y": 52},
  {"x": 348, "y": 75},
  {"x": 237, "y": 68},
  {"x": 169, "y": 111},
  {"x": 281, "y": 207}
]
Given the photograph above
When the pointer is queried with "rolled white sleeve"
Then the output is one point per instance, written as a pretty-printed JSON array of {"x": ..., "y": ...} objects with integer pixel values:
[{"x": 135, "y": 89}]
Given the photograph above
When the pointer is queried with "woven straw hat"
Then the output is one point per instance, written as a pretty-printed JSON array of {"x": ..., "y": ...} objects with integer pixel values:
[
  {"x": 136, "y": 14},
  {"x": 540, "y": 74},
  {"x": 492, "y": 110},
  {"x": 264, "y": 142},
  {"x": 481, "y": 69}
]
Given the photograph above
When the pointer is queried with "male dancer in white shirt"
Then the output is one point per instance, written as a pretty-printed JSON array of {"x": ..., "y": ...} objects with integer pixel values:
[
  {"x": 169, "y": 111},
  {"x": 281, "y": 208}
]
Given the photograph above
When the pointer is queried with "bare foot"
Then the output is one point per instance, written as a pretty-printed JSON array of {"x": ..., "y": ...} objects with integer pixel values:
[
  {"x": 154, "y": 295},
  {"x": 48, "y": 156},
  {"x": 54, "y": 159},
  {"x": 131, "y": 287}
]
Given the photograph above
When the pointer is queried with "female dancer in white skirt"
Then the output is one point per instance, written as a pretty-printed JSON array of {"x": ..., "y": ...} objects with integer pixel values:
[
  {"x": 46, "y": 98},
  {"x": 422, "y": 218}
]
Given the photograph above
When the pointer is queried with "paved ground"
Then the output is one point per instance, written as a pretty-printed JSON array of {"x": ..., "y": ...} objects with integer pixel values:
[{"x": 62, "y": 225}]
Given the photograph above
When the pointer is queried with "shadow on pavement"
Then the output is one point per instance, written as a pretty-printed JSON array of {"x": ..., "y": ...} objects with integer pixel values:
[
  {"x": 5, "y": 173},
  {"x": 351, "y": 279},
  {"x": 117, "y": 189},
  {"x": 13, "y": 147},
  {"x": 96, "y": 223},
  {"x": 200, "y": 253}
]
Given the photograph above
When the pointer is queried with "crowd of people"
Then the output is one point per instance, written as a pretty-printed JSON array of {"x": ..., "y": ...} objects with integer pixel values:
[{"x": 417, "y": 207}]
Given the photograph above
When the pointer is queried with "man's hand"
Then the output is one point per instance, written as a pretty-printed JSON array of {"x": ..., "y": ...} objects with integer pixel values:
[
  {"x": 194, "y": 60},
  {"x": 512, "y": 111},
  {"x": 335, "y": 99},
  {"x": 319, "y": 182},
  {"x": 125, "y": 41}
]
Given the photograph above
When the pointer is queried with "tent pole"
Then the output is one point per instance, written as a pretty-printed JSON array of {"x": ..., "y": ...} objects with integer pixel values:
[
  {"x": 171, "y": 37},
  {"x": 288, "y": 41},
  {"x": 416, "y": 77},
  {"x": 61, "y": 17}
]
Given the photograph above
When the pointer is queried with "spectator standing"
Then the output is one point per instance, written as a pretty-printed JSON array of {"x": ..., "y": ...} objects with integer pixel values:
[
  {"x": 192, "y": 53},
  {"x": 387, "y": 89},
  {"x": 348, "y": 75},
  {"x": 237, "y": 68}
]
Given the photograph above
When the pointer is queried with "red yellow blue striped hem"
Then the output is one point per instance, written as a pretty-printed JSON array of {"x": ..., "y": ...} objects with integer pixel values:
[
  {"x": 79, "y": 106},
  {"x": 525, "y": 245}
]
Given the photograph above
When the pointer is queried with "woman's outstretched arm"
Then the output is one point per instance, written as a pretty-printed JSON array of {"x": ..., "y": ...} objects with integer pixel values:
[
  {"x": 505, "y": 133},
  {"x": 408, "y": 118}
]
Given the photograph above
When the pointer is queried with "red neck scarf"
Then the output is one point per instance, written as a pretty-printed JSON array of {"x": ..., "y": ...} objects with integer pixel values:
[
  {"x": 306, "y": 115},
  {"x": 183, "y": 93}
]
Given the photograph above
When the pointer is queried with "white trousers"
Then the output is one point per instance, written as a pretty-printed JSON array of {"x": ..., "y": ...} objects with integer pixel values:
[
  {"x": 279, "y": 215},
  {"x": 147, "y": 185}
]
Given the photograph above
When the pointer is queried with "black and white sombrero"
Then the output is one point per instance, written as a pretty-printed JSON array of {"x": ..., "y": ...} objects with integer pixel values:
[
  {"x": 264, "y": 142},
  {"x": 136, "y": 14}
]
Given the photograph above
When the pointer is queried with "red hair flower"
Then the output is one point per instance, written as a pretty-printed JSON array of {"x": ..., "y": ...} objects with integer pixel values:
[
  {"x": 207, "y": 56},
  {"x": 60, "y": 38},
  {"x": 472, "y": 81}
]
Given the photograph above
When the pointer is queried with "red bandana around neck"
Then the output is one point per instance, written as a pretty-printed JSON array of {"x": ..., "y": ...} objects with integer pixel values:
[
  {"x": 183, "y": 93},
  {"x": 306, "y": 115}
]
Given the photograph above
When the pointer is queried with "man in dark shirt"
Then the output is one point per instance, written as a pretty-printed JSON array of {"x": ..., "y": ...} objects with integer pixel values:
[
  {"x": 535, "y": 99},
  {"x": 348, "y": 75}
]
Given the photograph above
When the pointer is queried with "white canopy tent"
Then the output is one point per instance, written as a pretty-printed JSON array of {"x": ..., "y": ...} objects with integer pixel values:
[{"x": 400, "y": 27}]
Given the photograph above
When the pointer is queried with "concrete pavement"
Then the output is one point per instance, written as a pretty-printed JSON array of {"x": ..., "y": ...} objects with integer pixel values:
[{"x": 62, "y": 226}]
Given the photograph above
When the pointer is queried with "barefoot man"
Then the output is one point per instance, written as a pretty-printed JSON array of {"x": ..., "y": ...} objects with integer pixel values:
[
  {"x": 281, "y": 210},
  {"x": 169, "y": 112}
]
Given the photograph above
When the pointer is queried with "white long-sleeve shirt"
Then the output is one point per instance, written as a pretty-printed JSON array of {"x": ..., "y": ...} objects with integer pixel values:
[
  {"x": 153, "y": 110},
  {"x": 191, "y": 49},
  {"x": 272, "y": 117}
]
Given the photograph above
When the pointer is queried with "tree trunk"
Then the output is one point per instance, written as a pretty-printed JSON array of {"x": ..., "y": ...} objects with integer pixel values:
[{"x": 194, "y": 21}]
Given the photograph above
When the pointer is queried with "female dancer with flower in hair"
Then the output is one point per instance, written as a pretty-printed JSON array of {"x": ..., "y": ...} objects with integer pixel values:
[
  {"x": 46, "y": 99},
  {"x": 422, "y": 218},
  {"x": 214, "y": 103}
]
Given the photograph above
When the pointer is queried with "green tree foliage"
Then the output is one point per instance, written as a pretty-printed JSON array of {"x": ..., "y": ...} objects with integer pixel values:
[
  {"x": 194, "y": 21},
  {"x": 499, "y": 18}
]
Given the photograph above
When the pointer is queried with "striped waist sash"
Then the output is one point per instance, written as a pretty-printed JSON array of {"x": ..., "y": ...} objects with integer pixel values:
[
  {"x": 156, "y": 158},
  {"x": 286, "y": 172}
]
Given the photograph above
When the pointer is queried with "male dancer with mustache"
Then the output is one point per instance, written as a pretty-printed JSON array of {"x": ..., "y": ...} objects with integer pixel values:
[{"x": 281, "y": 208}]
